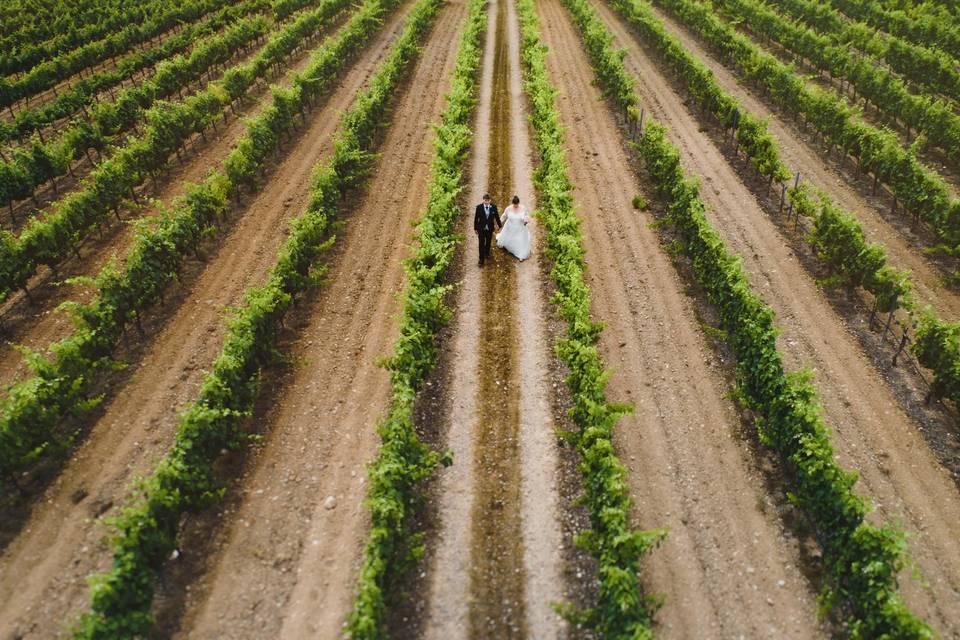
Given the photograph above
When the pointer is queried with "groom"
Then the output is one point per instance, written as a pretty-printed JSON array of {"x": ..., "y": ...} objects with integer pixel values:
[{"x": 486, "y": 214}]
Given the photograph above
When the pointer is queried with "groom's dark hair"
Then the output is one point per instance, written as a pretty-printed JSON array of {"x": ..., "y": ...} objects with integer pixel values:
[{"x": 486, "y": 196}]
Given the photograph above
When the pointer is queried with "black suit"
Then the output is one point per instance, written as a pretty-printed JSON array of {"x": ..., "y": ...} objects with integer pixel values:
[{"x": 483, "y": 225}]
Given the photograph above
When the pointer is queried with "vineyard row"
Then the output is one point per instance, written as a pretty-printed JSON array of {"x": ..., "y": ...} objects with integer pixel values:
[
  {"x": 87, "y": 90},
  {"x": 921, "y": 28},
  {"x": 38, "y": 162},
  {"x": 836, "y": 235},
  {"x": 889, "y": 94},
  {"x": 863, "y": 560},
  {"x": 169, "y": 126},
  {"x": 621, "y": 610},
  {"x": 184, "y": 480},
  {"x": 47, "y": 74},
  {"x": 923, "y": 193},
  {"x": 34, "y": 407},
  {"x": 32, "y": 34},
  {"x": 927, "y": 67}
]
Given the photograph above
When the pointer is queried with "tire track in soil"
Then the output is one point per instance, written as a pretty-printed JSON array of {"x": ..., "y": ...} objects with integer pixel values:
[
  {"x": 497, "y": 573},
  {"x": 500, "y": 498},
  {"x": 728, "y": 568},
  {"x": 872, "y": 434},
  {"x": 37, "y": 323},
  {"x": 42, "y": 570},
  {"x": 800, "y": 151},
  {"x": 289, "y": 537}
]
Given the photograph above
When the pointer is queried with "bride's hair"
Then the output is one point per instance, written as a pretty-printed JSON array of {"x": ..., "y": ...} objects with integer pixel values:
[{"x": 515, "y": 200}]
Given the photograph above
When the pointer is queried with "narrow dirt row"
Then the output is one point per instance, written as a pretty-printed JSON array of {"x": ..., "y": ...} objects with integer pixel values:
[
  {"x": 802, "y": 153},
  {"x": 498, "y": 560},
  {"x": 730, "y": 566},
  {"x": 898, "y": 470},
  {"x": 42, "y": 570},
  {"x": 36, "y": 323},
  {"x": 289, "y": 539}
]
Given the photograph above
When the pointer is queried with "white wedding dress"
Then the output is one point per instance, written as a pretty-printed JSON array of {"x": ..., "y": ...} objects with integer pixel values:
[{"x": 515, "y": 237}]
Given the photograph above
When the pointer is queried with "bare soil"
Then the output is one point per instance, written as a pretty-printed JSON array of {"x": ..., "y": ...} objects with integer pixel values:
[
  {"x": 872, "y": 432},
  {"x": 731, "y": 566},
  {"x": 44, "y": 568},
  {"x": 289, "y": 540},
  {"x": 500, "y": 403}
]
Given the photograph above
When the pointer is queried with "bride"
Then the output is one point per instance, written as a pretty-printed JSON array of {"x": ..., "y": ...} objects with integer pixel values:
[{"x": 514, "y": 236}]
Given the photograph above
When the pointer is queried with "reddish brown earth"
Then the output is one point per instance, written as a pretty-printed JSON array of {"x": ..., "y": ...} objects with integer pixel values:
[
  {"x": 278, "y": 557},
  {"x": 284, "y": 563},
  {"x": 36, "y": 323},
  {"x": 873, "y": 435},
  {"x": 729, "y": 567},
  {"x": 44, "y": 568}
]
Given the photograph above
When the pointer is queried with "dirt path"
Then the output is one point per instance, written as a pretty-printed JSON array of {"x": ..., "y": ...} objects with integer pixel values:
[
  {"x": 500, "y": 498},
  {"x": 801, "y": 153},
  {"x": 36, "y": 323},
  {"x": 872, "y": 433},
  {"x": 42, "y": 571},
  {"x": 728, "y": 568},
  {"x": 284, "y": 562}
]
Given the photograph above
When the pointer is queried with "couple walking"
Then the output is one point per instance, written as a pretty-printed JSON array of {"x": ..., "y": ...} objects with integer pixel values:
[{"x": 514, "y": 235}]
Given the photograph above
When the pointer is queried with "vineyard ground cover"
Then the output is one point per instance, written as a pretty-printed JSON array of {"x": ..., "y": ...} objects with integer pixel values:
[
  {"x": 35, "y": 322},
  {"x": 802, "y": 152},
  {"x": 662, "y": 362},
  {"x": 872, "y": 433},
  {"x": 132, "y": 434}
]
